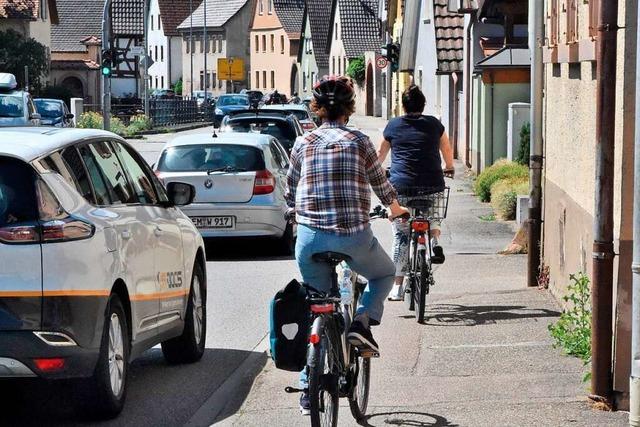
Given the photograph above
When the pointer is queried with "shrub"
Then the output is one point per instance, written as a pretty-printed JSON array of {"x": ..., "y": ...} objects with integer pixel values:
[
  {"x": 177, "y": 88},
  {"x": 90, "y": 120},
  {"x": 117, "y": 126},
  {"x": 525, "y": 144},
  {"x": 357, "y": 70},
  {"x": 500, "y": 170},
  {"x": 138, "y": 124},
  {"x": 504, "y": 196}
]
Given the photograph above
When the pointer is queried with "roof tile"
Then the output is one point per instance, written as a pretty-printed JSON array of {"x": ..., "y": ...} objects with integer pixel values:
[
  {"x": 360, "y": 26},
  {"x": 290, "y": 14},
  {"x": 319, "y": 15},
  {"x": 78, "y": 20},
  {"x": 174, "y": 12},
  {"x": 218, "y": 13},
  {"x": 19, "y": 9},
  {"x": 449, "y": 38}
]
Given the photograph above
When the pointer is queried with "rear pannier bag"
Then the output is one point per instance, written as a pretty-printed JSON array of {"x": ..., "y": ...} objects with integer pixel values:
[{"x": 290, "y": 324}]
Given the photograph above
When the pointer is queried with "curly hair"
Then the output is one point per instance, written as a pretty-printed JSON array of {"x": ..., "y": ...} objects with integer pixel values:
[{"x": 333, "y": 113}]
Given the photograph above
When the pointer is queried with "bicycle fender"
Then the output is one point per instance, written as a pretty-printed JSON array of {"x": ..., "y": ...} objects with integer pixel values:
[{"x": 318, "y": 329}]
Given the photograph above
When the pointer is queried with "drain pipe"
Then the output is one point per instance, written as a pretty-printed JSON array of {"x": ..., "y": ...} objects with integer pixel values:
[
  {"x": 602, "y": 288},
  {"x": 634, "y": 383},
  {"x": 536, "y": 40}
]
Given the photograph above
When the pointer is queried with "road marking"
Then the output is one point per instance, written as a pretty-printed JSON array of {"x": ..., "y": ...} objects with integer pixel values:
[
  {"x": 515, "y": 344},
  {"x": 224, "y": 395}
]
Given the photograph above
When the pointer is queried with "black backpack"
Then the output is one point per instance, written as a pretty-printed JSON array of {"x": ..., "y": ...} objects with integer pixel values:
[{"x": 290, "y": 324}]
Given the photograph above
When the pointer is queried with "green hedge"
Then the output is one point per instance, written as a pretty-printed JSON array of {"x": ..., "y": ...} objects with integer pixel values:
[
  {"x": 93, "y": 120},
  {"x": 502, "y": 169}
]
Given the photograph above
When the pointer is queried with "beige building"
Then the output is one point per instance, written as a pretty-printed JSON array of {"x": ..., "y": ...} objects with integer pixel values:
[
  {"x": 569, "y": 150},
  {"x": 275, "y": 38},
  {"x": 30, "y": 18}
]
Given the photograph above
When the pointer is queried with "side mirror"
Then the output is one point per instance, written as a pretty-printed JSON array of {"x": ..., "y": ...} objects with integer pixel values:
[
  {"x": 68, "y": 116},
  {"x": 180, "y": 193}
]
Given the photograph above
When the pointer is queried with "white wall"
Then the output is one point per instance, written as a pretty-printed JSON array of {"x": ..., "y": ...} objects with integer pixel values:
[
  {"x": 175, "y": 51},
  {"x": 158, "y": 42},
  {"x": 337, "y": 54},
  {"x": 427, "y": 58},
  {"x": 308, "y": 67}
]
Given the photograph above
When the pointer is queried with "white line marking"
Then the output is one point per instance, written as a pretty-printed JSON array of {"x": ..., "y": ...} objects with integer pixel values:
[{"x": 497, "y": 345}]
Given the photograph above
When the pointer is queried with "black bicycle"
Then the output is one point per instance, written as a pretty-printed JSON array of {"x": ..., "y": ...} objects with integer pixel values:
[
  {"x": 425, "y": 208},
  {"x": 336, "y": 369}
]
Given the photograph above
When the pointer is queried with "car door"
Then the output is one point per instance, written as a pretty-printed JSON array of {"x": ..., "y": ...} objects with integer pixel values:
[
  {"x": 134, "y": 228},
  {"x": 173, "y": 286}
]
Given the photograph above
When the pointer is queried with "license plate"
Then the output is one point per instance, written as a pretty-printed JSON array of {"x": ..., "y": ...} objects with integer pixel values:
[{"x": 224, "y": 222}]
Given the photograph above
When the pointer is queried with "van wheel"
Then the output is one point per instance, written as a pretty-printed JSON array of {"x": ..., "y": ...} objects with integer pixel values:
[
  {"x": 109, "y": 381},
  {"x": 189, "y": 347}
]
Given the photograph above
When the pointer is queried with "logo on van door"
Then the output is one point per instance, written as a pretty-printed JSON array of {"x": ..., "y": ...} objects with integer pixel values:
[{"x": 170, "y": 279}]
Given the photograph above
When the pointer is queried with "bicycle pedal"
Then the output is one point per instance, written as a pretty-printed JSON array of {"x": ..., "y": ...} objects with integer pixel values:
[
  {"x": 368, "y": 354},
  {"x": 293, "y": 390}
]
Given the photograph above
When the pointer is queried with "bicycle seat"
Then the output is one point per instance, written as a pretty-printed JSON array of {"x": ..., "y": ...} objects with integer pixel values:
[{"x": 332, "y": 258}]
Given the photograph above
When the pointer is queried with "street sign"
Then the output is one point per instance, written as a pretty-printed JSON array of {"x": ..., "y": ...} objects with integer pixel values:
[
  {"x": 149, "y": 62},
  {"x": 136, "y": 50},
  {"x": 231, "y": 69},
  {"x": 381, "y": 62}
]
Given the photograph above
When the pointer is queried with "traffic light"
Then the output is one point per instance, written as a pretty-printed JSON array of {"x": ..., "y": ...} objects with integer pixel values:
[
  {"x": 393, "y": 56},
  {"x": 107, "y": 62}
]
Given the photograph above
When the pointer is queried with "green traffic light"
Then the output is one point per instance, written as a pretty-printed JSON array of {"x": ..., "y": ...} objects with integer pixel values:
[{"x": 106, "y": 71}]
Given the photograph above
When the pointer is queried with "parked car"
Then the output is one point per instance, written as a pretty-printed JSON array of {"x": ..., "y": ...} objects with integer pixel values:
[
  {"x": 16, "y": 106},
  {"x": 283, "y": 126},
  {"x": 98, "y": 263},
  {"x": 307, "y": 103},
  {"x": 274, "y": 97},
  {"x": 54, "y": 112},
  {"x": 300, "y": 111},
  {"x": 240, "y": 180},
  {"x": 255, "y": 96},
  {"x": 163, "y": 93},
  {"x": 228, "y": 103},
  {"x": 198, "y": 95}
]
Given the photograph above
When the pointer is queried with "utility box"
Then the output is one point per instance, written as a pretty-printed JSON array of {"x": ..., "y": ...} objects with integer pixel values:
[
  {"x": 76, "y": 107},
  {"x": 519, "y": 114},
  {"x": 522, "y": 210}
]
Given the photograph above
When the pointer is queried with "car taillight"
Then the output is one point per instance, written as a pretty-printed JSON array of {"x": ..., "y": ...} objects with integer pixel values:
[
  {"x": 308, "y": 126},
  {"x": 19, "y": 234},
  {"x": 50, "y": 364},
  {"x": 265, "y": 182}
]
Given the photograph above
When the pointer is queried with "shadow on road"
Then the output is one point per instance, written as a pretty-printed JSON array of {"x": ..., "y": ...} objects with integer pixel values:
[
  {"x": 158, "y": 395},
  {"x": 402, "y": 418},
  {"x": 244, "y": 249},
  {"x": 475, "y": 315}
]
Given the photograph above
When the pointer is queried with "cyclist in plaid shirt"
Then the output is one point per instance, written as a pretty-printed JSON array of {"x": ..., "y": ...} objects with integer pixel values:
[{"x": 329, "y": 176}]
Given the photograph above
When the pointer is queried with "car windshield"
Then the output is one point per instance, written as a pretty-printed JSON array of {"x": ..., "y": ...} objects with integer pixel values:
[
  {"x": 233, "y": 100},
  {"x": 17, "y": 193},
  {"x": 211, "y": 158},
  {"x": 49, "y": 109},
  {"x": 281, "y": 130},
  {"x": 11, "y": 105}
]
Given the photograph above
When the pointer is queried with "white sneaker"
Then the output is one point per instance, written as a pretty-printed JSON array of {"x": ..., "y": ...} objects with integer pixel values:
[{"x": 396, "y": 294}]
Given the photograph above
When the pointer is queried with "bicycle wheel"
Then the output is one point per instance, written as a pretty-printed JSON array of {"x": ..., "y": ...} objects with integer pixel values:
[
  {"x": 359, "y": 397},
  {"x": 412, "y": 276},
  {"x": 422, "y": 284},
  {"x": 323, "y": 387}
]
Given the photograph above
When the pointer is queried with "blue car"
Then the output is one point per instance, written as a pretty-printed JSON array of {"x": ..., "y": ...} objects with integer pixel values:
[
  {"x": 229, "y": 103},
  {"x": 54, "y": 112}
]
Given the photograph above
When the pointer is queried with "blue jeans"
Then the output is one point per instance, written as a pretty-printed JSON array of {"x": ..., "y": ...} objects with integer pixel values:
[{"x": 368, "y": 259}]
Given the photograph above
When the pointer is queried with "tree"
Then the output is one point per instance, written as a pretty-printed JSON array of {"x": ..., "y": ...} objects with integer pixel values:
[
  {"x": 177, "y": 88},
  {"x": 16, "y": 52},
  {"x": 356, "y": 70}
]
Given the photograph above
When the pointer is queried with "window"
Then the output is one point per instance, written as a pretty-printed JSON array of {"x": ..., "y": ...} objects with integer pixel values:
[
  {"x": 208, "y": 75},
  {"x": 202, "y": 43},
  {"x": 264, "y": 79},
  {"x": 333, "y": 65},
  {"x": 107, "y": 175},
  {"x": 68, "y": 164},
  {"x": 339, "y": 67},
  {"x": 273, "y": 43},
  {"x": 155, "y": 48},
  {"x": 344, "y": 64},
  {"x": 220, "y": 45},
  {"x": 161, "y": 82},
  {"x": 553, "y": 23},
  {"x": 593, "y": 18},
  {"x": 201, "y": 80},
  {"x": 273, "y": 80},
  {"x": 214, "y": 79},
  {"x": 282, "y": 44},
  {"x": 264, "y": 43},
  {"x": 159, "y": 23},
  {"x": 256, "y": 83},
  {"x": 257, "y": 44},
  {"x": 304, "y": 81},
  {"x": 270, "y": 7},
  {"x": 161, "y": 53},
  {"x": 572, "y": 21},
  {"x": 336, "y": 31},
  {"x": 156, "y": 85},
  {"x": 151, "y": 22},
  {"x": 140, "y": 179},
  {"x": 261, "y": 7}
]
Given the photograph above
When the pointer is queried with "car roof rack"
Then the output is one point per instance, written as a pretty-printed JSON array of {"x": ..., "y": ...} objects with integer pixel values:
[{"x": 259, "y": 112}]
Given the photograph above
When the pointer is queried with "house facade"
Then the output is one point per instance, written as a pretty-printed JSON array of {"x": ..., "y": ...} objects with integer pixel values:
[
  {"x": 356, "y": 34},
  {"x": 32, "y": 19},
  {"x": 165, "y": 41},
  {"x": 313, "y": 56},
  {"x": 275, "y": 43},
  {"x": 227, "y": 24}
]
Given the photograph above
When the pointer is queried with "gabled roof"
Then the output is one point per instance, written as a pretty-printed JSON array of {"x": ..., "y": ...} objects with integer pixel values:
[
  {"x": 290, "y": 14},
  {"x": 78, "y": 21},
  {"x": 26, "y": 9},
  {"x": 127, "y": 18},
  {"x": 449, "y": 29},
  {"x": 360, "y": 26},
  {"x": 319, "y": 16},
  {"x": 174, "y": 12},
  {"x": 507, "y": 57},
  {"x": 219, "y": 12}
]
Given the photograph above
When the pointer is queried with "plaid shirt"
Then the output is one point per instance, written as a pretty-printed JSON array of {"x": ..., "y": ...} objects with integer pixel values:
[{"x": 329, "y": 176}]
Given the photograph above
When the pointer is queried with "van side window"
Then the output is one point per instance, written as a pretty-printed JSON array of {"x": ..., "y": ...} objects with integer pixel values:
[
  {"x": 114, "y": 176},
  {"x": 99, "y": 184},
  {"x": 140, "y": 180},
  {"x": 68, "y": 164}
]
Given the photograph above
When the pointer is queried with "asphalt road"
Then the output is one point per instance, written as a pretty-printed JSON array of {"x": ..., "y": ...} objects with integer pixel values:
[{"x": 242, "y": 277}]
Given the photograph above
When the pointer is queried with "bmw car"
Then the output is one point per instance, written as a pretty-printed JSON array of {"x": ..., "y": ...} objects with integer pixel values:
[
  {"x": 97, "y": 262},
  {"x": 240, "y": 181}
]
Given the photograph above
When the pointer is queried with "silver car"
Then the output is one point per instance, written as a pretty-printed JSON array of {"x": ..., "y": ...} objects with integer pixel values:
[{"x": 240, "y": 181}]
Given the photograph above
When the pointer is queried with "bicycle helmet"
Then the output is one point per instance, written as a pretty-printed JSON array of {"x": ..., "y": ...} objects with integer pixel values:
[{"x": 332, "y": 90}]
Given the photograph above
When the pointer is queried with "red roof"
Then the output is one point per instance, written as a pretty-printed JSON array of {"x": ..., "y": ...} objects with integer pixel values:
[{"x": 174, "y": 12}]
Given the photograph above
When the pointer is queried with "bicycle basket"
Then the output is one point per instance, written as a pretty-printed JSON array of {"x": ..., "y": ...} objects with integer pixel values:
[{"x": 431, "y": 205}]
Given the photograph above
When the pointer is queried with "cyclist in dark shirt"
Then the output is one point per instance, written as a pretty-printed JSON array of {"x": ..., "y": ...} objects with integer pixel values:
[{"x": 416, "y": 142}]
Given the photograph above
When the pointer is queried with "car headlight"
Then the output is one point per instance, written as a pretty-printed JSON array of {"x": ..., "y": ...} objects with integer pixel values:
[{"x": 219, "y": 111}]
